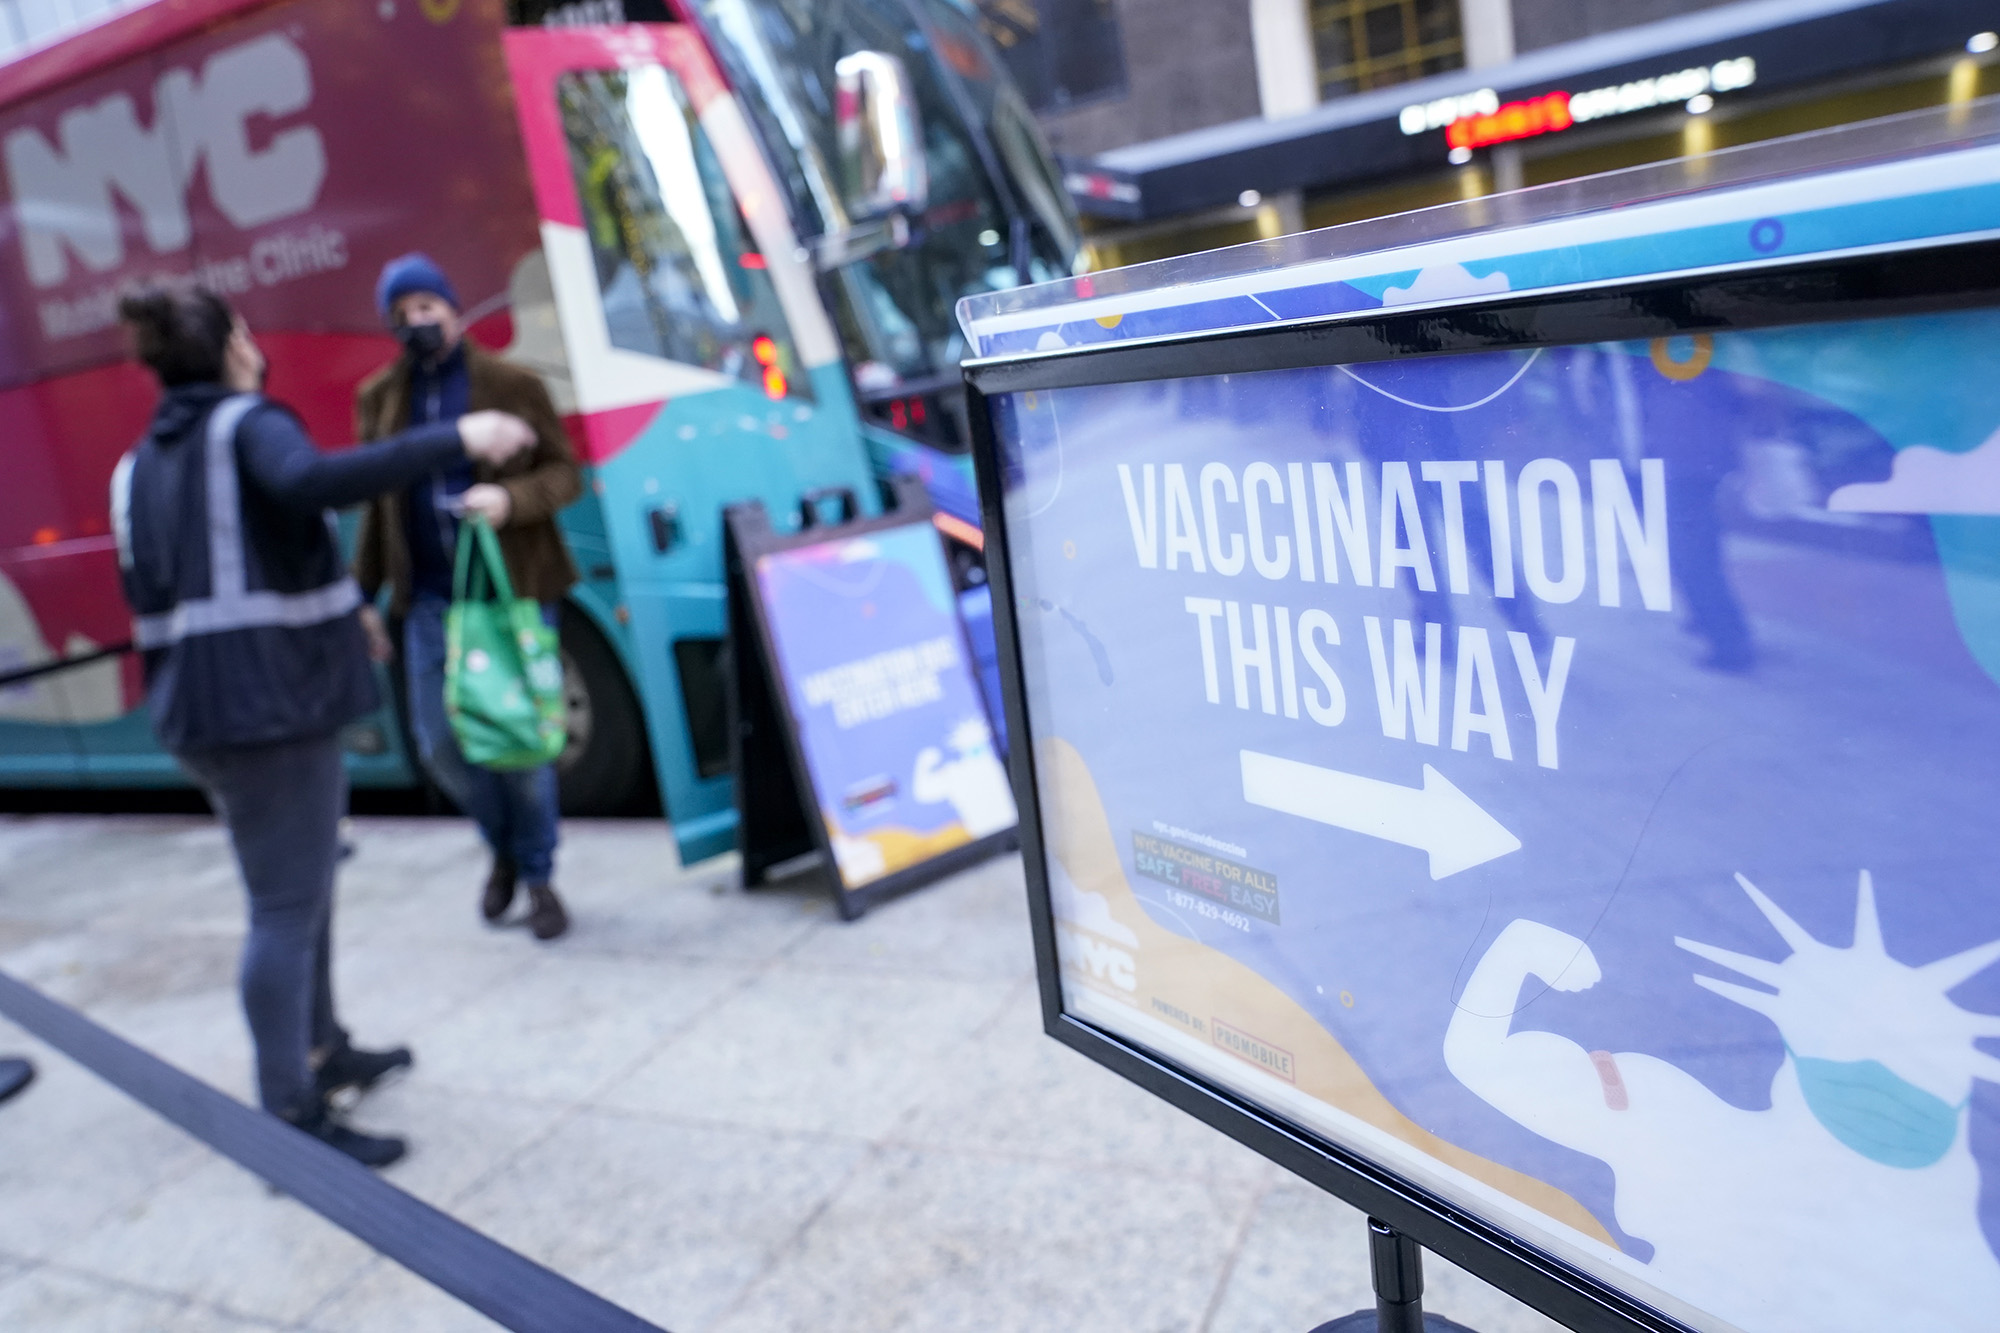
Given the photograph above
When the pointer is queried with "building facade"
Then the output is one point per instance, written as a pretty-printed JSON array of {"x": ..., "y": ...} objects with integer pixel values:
[{"x": 1231, "y": 122}]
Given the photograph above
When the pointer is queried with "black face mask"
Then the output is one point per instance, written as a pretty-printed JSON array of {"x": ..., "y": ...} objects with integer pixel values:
[{"x": 421, "y": 342}]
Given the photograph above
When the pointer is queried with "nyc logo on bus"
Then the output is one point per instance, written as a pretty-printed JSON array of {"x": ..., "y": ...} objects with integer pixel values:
[{"x": 62, "y": 191}]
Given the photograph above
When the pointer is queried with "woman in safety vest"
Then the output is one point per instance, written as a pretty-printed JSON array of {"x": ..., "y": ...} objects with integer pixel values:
[{"x": 254, "y": 658}]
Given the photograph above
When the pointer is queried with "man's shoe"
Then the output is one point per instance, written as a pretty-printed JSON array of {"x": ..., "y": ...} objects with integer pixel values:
[
  {"x": 546, "y": 916},
  {"x": 499, "y": 889},
  {"x": 371, "y": 1150},
  {"x": 348, "y": 1067}
]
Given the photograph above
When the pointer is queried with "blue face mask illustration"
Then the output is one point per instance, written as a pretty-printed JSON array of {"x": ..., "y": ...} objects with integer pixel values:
[{"x": 1885, "y": 1118}]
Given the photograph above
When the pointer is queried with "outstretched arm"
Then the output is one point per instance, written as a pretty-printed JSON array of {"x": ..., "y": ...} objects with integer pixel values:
[
  {"x": 282, "y": 462},
  {"x": 1547, "y": 1083}
]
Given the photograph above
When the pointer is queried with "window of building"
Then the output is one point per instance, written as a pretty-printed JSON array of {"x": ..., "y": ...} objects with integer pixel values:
[
  {"x": 1062, "y": 53},
  {"x": 1363, "y": 44}
]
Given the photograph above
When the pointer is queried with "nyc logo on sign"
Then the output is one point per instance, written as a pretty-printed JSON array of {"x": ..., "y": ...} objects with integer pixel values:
[
  {"x": 63, "y": 190},
  {"x": 1098, "y": 959}
]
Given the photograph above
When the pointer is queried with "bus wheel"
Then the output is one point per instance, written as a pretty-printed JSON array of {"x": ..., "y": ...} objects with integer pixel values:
[{"x": 603, "y": 769}]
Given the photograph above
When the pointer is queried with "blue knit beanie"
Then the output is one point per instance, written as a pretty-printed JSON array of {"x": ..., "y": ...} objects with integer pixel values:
[{"x": 413, "y": 272}]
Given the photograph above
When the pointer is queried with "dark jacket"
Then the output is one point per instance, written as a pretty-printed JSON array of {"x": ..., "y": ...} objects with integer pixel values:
[
  {"x": 540, "y": 481},
  {"x": 242, "y": 608}
]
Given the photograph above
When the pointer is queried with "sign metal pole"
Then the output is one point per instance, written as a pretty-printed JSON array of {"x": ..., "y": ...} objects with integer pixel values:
[{"x": 1398, "y": 1266}]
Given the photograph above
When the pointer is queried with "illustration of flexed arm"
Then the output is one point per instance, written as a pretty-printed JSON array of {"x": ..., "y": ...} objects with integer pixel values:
[
  {"x": 1864, "y": 1127},
  {"x": 1546, "y": 1082},
  {"x": 973, "y": 780}
]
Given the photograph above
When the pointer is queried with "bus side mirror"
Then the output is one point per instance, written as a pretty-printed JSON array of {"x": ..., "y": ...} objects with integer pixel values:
[{"x": 879, "y": 135}]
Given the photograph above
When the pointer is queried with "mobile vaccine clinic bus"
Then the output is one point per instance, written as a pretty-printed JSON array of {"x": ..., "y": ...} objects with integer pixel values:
[{"x": 730, "y": 243}]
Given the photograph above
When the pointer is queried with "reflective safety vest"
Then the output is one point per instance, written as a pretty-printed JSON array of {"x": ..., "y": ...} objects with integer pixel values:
[{"x": 242, "y": 607}]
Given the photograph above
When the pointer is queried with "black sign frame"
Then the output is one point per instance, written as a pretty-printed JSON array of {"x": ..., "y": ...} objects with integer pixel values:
[
  {"x": 777, "y": 806},
  {"x": 1872, "y": 282}
]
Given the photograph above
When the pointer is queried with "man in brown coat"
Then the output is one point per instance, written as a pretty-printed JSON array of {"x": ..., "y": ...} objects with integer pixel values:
[{"x": 407, "y": 542}]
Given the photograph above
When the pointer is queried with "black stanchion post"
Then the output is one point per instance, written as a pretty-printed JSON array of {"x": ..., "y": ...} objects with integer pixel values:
[{"x": 1398, "y": 1264}]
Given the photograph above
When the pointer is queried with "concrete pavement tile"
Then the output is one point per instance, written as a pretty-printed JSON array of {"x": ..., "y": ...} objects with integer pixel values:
[
  {"x": 455, "y": 1140},
  {"x": 84, "y": 969},
  {"x": 388, "y": 1298},
  {"x": 937, "y": 1242},
  {"x": 1013, "y": 1089},
  {"x": 810, "y": 1052},
  {"x": 625, "y": 892},
  {"x": 973, "y": 925},
  {"x": 701, "y": 915},
  {"x": 431, "y": 905},
  {"x": 53, "y": 1301},
  {"x": 26, "y": 838},
  {"x": 164, "y": 874},
  {"x": 390, "y": 853},
  {"x": 670, "y": 1220},
  {"x": 562, "y": 1024},
  {"x": 202, "y": 1033},
  {"x": 219, "y": 1236},
  {"x": 18, "y": 933},
  {"x": 385, "y": 990},
  {"x": 624, "y": 853},
  {"x": 73, "y": 1151},
  {"x": 1304, "y": 1260},
  {"x": 421, "y": 879}
]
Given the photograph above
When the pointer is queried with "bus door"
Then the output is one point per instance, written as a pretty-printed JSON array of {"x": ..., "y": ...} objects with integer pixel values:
[{"x": 705, "y": 366}]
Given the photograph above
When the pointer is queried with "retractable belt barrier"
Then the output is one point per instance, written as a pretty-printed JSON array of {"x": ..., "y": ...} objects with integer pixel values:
[
  {"x": 23, "y": 675},
  {"x": 506, "y": 1287}
]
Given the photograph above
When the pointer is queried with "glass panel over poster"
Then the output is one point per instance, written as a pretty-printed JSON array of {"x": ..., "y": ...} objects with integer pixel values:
[{"x": 1559, "y": 775}]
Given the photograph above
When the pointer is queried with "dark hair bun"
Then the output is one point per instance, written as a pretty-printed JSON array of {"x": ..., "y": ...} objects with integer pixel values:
[{"x": 178, "y": 329}]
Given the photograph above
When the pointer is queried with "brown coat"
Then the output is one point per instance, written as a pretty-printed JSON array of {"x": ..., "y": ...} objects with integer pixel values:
[{"x": 540, "y": 481}]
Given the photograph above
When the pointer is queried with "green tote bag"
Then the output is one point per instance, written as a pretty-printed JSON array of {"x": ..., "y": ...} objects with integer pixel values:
[{"x": 503, "y": 676}]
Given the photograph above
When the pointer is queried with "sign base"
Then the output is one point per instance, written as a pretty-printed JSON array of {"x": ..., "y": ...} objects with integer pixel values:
[{"x": 1368, "y": 1321}]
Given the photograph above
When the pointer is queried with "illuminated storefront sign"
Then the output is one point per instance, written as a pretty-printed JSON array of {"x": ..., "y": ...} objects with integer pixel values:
[
  {"x": 1442, "y": 112},
  {"x": 1516, "y": 120},
  {"x": 1478, "y": 119},
  {"x": 1722, "y": 77}
]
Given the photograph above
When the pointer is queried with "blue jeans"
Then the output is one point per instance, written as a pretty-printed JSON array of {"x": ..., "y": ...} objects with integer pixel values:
[{"x": 515, "y": 810}]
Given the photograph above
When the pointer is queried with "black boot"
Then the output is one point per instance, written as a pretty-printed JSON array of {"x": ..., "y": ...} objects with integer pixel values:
[
  {"x": 499, "y": 889},
  {"x": 15, "y": 1074},
  {"x": 546, "y": 917},
  {"x": 347, "y": 1067},
  {"x": 371, "y": 1150}
]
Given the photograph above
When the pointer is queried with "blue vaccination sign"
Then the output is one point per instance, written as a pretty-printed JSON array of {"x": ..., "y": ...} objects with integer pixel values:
[
  {"x": 1564, "y": 775},
  {"x": 888, "y": 715}
]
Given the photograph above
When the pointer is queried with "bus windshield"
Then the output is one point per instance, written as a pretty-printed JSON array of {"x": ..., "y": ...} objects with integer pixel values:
[
  {"x": 996, "y": 216},
  {"x": 675, "y": 268}
]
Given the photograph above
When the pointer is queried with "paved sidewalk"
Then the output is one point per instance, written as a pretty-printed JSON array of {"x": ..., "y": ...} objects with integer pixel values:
[{"x": 728, "y": 1111}]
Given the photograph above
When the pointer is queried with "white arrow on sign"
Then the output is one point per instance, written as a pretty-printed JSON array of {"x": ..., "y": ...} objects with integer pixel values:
[{"x": 1437, "y": 818}]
